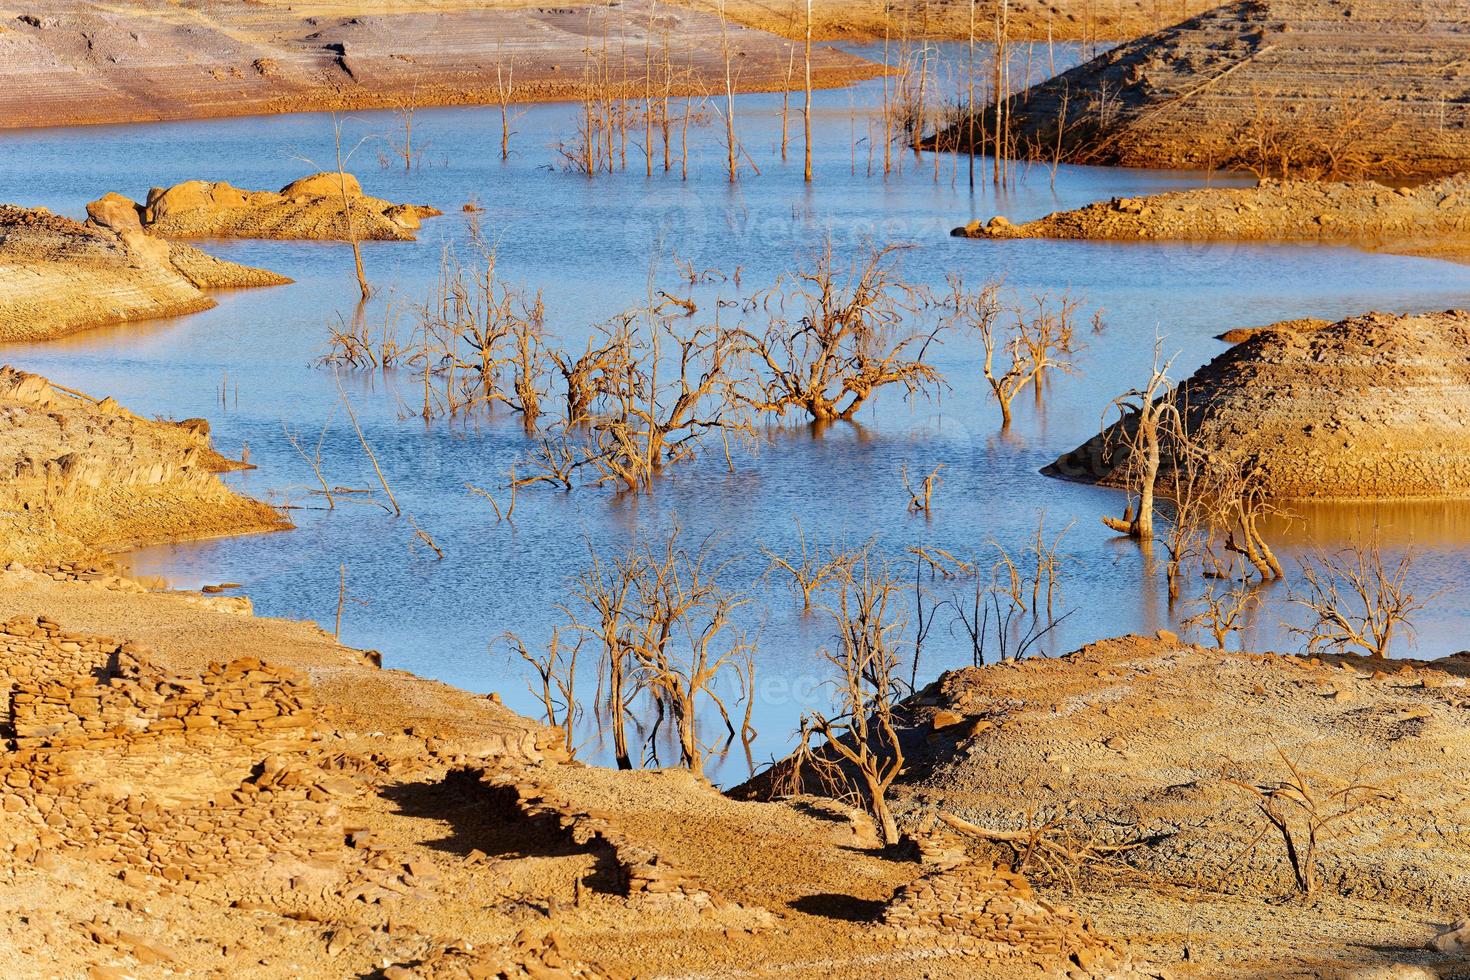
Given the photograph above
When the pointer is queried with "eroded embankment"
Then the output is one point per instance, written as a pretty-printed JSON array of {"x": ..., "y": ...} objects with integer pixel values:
[
  {"x": 58, "y": 276},
  {"x": 1376, "y": 406},
  {"x": 1433, "y": 218},
  {"x": 1337, "y": 88},
  {"x": 79, "y": 476}
]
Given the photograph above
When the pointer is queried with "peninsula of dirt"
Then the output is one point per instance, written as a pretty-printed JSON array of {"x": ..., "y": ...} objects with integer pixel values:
[
  {"x": 81, "y": 476},
  {"x": 1376, "y": 406},
  {"x": 1309, "y": 88},
  {"x": 1432, "y": 218},
  {"x": 324, "y": 206},
  {"x": 71, "y": 62},
  {"x": 58, "y": 276}
]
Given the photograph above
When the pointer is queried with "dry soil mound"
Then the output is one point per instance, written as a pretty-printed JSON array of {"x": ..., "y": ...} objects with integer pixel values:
[
  {"x": 1374, "y": 406},
  {"x": 316, "y": 207},
  {"x": 58, "y": 276},
  {"x": 80, "y": 476},
  {"x": 1150, "y": 747},
  {"x": 1434, "y": 217},
  {"x": 1328, "y": 87}
]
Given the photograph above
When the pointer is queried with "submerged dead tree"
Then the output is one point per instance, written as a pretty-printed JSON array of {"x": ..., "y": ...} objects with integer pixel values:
[
  {"x": 1357, "y": 601},
  {"x": 1145, "y": 416},
  {"x": 663, "y": 621},
  {"x": 832, "y": 343},
  {"x": 1032, "y": 342}
]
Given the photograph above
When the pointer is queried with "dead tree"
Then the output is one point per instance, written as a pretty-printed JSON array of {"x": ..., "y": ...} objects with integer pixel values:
[
  {"x": 1304, "y": 815},
  {"x": 1356, "y": 601},
  {"x": 684, "y": 640},
  {"x": 922, "y": 497},
  {"x": 607, "y": 354},
  {"x": 641, "y": 422},
  {"x": 847, "y": 341},
  {"x": 862, "y": 732},
  {"x": 664, "y": 623},
  {"x": 1223, "y": 614},
  {"x": 556, "y": 680},
  {"x": 1014, "y": 611},
  {"x": 605, "y": 593}
]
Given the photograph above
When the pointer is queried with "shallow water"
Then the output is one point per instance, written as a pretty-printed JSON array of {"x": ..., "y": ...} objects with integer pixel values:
[{"x": 588, "y": 244}]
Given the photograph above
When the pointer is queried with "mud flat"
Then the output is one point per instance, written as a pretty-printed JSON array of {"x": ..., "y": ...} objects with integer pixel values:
[
  {"x": 58, "y": 276},
  {"x": 1431, "y": 219},
  {"x": 1376, "y": 406},
  {"x": 325, "y": 206},
  {"x": 80, "y": 476},
  {"x": 1337, "y": 88},
  {"x": 70, "y": 62}
]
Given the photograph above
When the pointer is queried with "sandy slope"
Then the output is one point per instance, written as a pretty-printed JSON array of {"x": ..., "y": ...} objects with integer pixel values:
[
  {"x": 58, "y": 276},
  {"x": 83, "y": 476}
]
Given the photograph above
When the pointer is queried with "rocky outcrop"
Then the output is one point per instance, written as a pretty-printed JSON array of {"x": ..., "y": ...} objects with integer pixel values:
[
  {"x": 1433, "y": 217},
  {"x": 80, "y": 476},
  {"x": 324, "y": 206},
  {"x": 58, "y": 276},
  {"x": 1334, "y": 88},
  {"x": 1377, "y": 406}
]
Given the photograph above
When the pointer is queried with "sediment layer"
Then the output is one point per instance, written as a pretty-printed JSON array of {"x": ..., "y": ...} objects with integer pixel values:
[
  {"x": 1336, "y": 88},
  {"x": 1376, "y": 406},
  {"x": 58, "y": 276},
  {"x": 1432, "y": 218},
  {"x": 80, "y": 476}
]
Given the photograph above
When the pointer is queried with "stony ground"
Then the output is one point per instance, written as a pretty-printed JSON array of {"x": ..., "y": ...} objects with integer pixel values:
[
  {"x": 1149, "y": 745},
  {"x": 1430, "y": 219},
  {"x": 312, "y": 815},
  {"x": 1376, "y": 406},
  {"x": 1338, "y": 88}
]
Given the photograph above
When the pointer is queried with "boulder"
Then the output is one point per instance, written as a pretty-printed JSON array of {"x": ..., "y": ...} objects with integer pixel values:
[
  {"x": 322, "y": 185},
  {"x": 193, "y": 195},
  {"x": 116, "y": 213}
]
